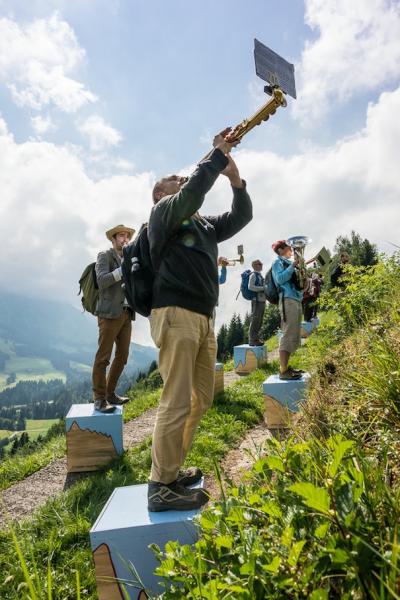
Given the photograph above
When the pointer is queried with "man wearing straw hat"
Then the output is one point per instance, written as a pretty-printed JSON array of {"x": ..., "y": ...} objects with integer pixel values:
[{"x": 114, "y": 320}]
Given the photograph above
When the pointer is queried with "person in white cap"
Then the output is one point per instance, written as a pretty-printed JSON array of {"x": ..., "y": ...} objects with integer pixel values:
[{"x": 114, "y": 320}]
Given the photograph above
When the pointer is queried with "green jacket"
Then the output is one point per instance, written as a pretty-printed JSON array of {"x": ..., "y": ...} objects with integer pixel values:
[
  {"x": 185, "y": 244},
  {"x": 111, "y": 294}
]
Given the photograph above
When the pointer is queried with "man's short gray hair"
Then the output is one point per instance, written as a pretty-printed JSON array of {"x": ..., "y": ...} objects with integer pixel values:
[{"x": 156, "y": 190}]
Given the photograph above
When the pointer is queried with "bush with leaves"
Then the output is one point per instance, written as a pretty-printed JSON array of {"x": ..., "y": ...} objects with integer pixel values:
[{"x": 314, "y": 521}]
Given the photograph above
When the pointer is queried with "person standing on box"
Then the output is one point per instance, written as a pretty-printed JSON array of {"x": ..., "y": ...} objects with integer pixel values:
[
  {"x": 184, "y": 296},
  {"x": 256, "y": 285},
  {"x": 290, "y": 307},
  {"x": 114, "y": 321}
]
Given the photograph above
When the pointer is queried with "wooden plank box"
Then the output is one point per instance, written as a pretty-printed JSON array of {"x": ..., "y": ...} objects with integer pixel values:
[
  {"x": 306, "y": 329},
  {"x": 248, "y": 358},
  {"x": 93, "y": 438},
  {"x": 219, "y": 379},
  {"x": 283, "y": 399},
  {"x": 120, "y": 541}
]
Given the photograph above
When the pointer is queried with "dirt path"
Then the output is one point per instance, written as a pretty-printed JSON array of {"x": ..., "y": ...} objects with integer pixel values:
[
  {"x": 21, "y": 499},
  {"x": 239, "y": 460}
]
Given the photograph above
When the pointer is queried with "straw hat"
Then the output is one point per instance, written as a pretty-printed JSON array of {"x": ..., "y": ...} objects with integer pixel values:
[{"x": 119, "y": 229}]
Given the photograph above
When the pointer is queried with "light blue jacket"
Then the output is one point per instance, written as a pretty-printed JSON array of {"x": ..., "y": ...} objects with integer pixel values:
[{"x": 282, "y": 271}]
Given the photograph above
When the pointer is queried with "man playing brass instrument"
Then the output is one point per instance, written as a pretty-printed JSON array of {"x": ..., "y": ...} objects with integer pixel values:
[
  {"x": 290, "y": 298},
  {"x": 184, "y": 295}
]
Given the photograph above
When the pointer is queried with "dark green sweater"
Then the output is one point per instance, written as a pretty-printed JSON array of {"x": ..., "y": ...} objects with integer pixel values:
[{"x": 184, "y": 245}]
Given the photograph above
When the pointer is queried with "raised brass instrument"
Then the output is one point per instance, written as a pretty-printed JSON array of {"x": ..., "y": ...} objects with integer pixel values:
[
  {"x": 279, "y": 75},
  {"x": 231, "y": 262},
  {"x": 298, "y": 244},
  {"x": 263, "y": 114}
]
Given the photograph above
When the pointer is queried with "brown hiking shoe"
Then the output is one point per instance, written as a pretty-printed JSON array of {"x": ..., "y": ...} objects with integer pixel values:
[
  {"x": 102, "y": 406},
  {"x": 117, "y": 400}
]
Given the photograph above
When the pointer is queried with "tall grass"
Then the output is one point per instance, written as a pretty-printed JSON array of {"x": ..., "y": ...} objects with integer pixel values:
[
  {"x": 55, "y": 539},
  {"x": 318, "y": 515}
]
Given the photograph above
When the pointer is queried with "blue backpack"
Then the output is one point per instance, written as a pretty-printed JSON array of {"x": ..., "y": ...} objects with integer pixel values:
[
  {"x": 271, "y": 289},
  {"x": 244, "y": 286}
]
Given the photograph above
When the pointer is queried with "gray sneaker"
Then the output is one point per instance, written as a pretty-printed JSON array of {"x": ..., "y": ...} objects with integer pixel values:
[
  {"x": 102, "y": 406},
  {"x": 117, "y": 400},
  {"x": 189, "y": 476},
  {"x": 174, "y": 496},
  {"x": 290, "y": 375}
]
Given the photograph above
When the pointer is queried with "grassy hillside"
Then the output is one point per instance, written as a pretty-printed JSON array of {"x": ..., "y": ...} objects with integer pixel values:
[
  {"x": 56, "y": 538},
  {"x": 28, "y": 368},
  {"x": 319, "y": 515}
]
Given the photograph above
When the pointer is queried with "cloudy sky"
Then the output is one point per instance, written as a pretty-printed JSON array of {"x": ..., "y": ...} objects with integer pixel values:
[{"x": 99, "y": 98}]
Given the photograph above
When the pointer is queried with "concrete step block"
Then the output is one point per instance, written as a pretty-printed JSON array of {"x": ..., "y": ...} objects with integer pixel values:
[
  {"x": 306, "y": 329},
  {"x": 248, "y": 358},
  {"x": 121, "y": 535},
  {"x": 283, "y": 399},
  {"x": 93, "y": 438}
]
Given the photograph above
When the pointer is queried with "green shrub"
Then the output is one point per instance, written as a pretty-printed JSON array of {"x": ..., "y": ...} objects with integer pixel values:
[{"x": 313, "y": 521}]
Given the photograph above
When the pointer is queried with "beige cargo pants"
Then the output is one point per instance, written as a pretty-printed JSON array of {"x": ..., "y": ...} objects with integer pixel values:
[{"x": 187, "y": 366}]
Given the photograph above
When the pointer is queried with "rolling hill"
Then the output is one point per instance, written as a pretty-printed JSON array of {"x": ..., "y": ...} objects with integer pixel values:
[{"x": 42, "y": 339}]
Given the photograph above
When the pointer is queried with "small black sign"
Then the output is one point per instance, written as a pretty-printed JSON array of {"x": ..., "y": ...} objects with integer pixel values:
[{"x": 274, "y": 69}]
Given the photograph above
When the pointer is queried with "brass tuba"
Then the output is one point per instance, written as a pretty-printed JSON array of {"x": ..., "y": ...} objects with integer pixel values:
[{"x": 298, "y": 244}]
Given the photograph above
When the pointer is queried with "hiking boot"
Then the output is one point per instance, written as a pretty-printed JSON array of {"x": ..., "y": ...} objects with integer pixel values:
[
  {"x": 174, "y": 496},
  {"x": 289, "y": 375},
  {"x": 189, "y": 476},
  {"x": 256, "y": 343},
  {"x": 117, "y": 400},
  {"x": 297, "y": 370},
  {"x": 102, "y": 406}
]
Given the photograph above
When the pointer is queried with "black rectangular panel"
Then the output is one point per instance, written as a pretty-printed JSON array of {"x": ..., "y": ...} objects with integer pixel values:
[{"x": 274, "y": 69}]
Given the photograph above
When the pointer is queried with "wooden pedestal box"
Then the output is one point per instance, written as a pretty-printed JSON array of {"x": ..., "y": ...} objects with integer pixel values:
[
  {"x": 219, "y": 378},
  {"x": 282, "y": 400},
  {"x": 248, "y": 358},
  {"x": 120, "y": 541},
  {"x": 93, "y": 438}
]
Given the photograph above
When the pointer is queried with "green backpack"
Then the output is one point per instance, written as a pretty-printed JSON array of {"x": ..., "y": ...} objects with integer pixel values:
[{"x": 89, "y": 289}]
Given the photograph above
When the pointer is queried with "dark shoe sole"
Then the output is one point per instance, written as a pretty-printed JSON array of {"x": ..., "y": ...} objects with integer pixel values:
[
  {"x": 164, "y": 507},
  {"x": 118, "y": 403}
]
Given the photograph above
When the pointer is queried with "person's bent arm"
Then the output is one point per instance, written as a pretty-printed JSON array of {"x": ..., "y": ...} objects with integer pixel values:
[
  {"x": 105, "y": 278},
  {"x": 241, "y": 213},
  {"x": 282, "y": 275}
]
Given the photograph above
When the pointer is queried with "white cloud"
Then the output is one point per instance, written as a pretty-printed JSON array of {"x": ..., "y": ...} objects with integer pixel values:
[
  {"x": 42, "y": 125},
  {"x": 53, "y": 215},
  {"x": 357, "y": 49},
  {"x": 36, "y": 61},
  {"x": 99, "y": 133}
]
